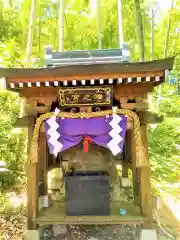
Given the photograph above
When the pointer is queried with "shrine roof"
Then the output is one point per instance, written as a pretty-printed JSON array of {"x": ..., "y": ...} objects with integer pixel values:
[
  {"x": 91, "y": 68},
  {"x": 87, "y": 67}
]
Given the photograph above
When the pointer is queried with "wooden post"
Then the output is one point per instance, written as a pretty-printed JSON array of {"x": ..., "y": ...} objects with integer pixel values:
[
  {"x": 132, "y": 149},
  {"x": 145, "y": 185},
  {"x": 43, "y": 160},
  {"x": 34, "y": 190},
  {"x": 31, "y": 179}
]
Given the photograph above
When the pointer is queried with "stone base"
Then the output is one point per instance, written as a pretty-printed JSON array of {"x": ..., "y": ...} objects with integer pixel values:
[
  {"x": 31, "y": 235},
  {"x": 125, "y": 182},
  {"x": 148, "y": 234},
  {"x": 60, "y": 230}
]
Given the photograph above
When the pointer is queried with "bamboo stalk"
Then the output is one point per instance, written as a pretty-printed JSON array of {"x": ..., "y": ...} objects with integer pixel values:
[
  {"x": 165, "y": 51},
  {"x": 99, "y": 24},
  {"x": 139, "y": 29},
  {"x": 120, "y": 24},
  {"x": 61, "y": 25},
  {"x": 152, "y": 34},
  {"x": 30, "y": 32}
]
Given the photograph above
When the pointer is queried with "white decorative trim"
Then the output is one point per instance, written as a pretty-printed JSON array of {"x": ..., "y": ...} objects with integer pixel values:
[
  {"x": 166, "y": 73},
  {"x": 110, "y": 80},
  {"x": 129, "y": 79},
  {"x": 114, "y": 109},
  {"x": 148, "y": 79},
  {"x": 56, "y": 111},
  {"x": 113, "y": 145},
  {"x": 92, "y": 81},
  {"x": 157, "y": 78},
  {"x": 53, "y": 133},
  {"x": 119, "y": 80},
  {"x": 101, "y": 81},
  {"x": 12, "y": 85},
  {"x": 56, "y": 83},
  {"x": 83, "y": 82},
  {"x": 74, "y": 82},
  {"x": 3, "y": 83},
  {"x": 139, "y": 79},
  {"x": 38, "y": 84},
  {"x": 29, "y": 84},
  {"x": 65, "y": 83}
]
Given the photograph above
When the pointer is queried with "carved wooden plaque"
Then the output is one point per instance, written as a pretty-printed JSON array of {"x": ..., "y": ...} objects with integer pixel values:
[{"x": 86, "y": 96}]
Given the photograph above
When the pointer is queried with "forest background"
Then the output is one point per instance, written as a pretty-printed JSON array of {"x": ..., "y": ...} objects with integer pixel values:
[{"x": 27, "y": 26}]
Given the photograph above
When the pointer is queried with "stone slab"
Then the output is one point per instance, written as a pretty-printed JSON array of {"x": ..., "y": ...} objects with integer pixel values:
[
  {"x": 32, "y": 235},
  {"x": 148, "y": 234}
]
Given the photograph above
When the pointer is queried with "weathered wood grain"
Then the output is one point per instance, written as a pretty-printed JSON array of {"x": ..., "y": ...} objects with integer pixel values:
[{"x": 56, "y": 215}]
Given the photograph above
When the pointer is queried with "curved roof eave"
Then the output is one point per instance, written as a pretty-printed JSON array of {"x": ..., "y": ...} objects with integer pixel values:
[{"x": 89, "y": 68}]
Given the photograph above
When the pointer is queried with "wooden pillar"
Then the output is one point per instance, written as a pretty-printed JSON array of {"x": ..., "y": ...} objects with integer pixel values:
[
  {"x": 125, "y": 167},
  {"x": 34, "y": 190},
  {"x": 145, "y": 185},
  {"x": 43, "y": 161},
  {"x": 31, "y": 180},
  {"x": 132, "y": 150}
]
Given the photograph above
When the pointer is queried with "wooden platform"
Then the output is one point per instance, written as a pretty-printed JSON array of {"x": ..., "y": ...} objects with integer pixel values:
[{"x": 55, "y": 214}]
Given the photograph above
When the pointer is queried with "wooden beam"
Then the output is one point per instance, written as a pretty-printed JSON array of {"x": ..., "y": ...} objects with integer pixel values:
[
  {"x": 27, "y": 109},
  {"x": 138, "y": 106},
  {"x": 132, "y": 153},
  {"x": 43, "y": 109},
  {"x": 43, "y": 160},
  {"x": 123, "y": 100},
  {"x": 144, "y": 176},
  {"x": 137, "y": 89},
  {"x": 24, "y": 122},
  {"x": 36, "y": 93},
  {"x": 150, "y": 117},
  {"x": 34, "y": 190},
  {"x": 98, "y": 75},
  {"x": 30, "y": 177},
  {"x": 30, "y": 110}
]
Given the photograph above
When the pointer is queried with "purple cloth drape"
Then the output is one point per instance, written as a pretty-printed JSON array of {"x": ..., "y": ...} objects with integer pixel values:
[{"x": 106, "y": 131}]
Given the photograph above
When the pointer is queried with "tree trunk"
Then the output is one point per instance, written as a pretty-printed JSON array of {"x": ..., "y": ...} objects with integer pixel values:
[
  {"x": 11, "y": 3},
  {"x": 99, "y": 24},
  {"x": 168, "y": 32},
  {"x": 165, "y": 51},
  {"x": 139, "y": 29},
  {"x": 39, "y": 39},
  {"x": 152, "y": 34},
  {"x": 133, "y": 51},
  {"x": 120, "y": 23},
  {"x": 61, "y": 25},
  {"x": 31, "y": 31}
]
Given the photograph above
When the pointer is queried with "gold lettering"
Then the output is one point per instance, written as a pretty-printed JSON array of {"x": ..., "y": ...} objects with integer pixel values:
[
  {"x": 75, "y": 97},
  {"x": 98, "y": 96},
  {"x": 87, "y": 97}
]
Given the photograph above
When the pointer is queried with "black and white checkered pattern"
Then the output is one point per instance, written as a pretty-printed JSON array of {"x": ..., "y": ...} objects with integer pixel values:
[{"x": 87, "y": 82}]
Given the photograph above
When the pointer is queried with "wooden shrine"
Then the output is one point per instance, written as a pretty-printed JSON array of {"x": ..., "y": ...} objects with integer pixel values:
[{"x": 88, "y": 85}]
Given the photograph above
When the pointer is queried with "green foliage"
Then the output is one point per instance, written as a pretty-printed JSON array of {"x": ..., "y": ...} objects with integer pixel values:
[
  {"x": 9, "y": 204},
  {"x": 164, "y": 149},
  {"x": 169, "y": 101},
  {"x": 12, "y": 143}
]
